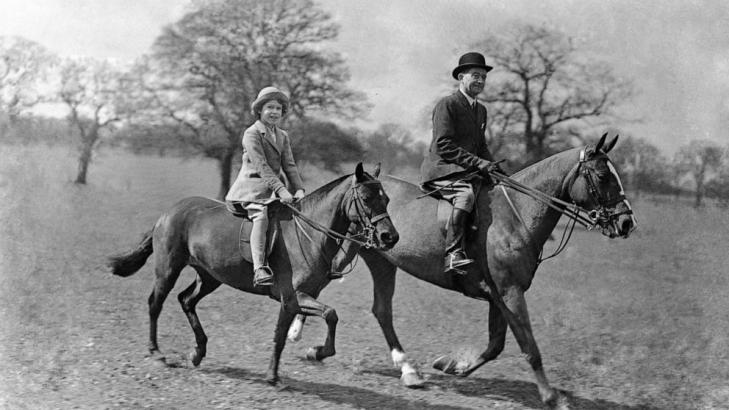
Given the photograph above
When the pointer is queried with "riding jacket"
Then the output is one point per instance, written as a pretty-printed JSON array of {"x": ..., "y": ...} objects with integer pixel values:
[
  {"x": 266, "y": 158},
  {"x": 458, "y": 143}
]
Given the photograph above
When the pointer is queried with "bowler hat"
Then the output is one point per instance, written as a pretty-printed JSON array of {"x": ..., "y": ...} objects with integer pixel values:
[
  {"x": 267, "y": 94},
  {"x": 470, "y": 60}
]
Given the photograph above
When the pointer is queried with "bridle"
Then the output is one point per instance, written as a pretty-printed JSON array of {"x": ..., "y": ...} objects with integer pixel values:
[
  {"x": 361, "y": 218},
  {"x": 603, "y": 215},
  {"x": 605, "y": 212},
  {"x": 366, "y": 222},
  {"x": 365, "y": 238}
]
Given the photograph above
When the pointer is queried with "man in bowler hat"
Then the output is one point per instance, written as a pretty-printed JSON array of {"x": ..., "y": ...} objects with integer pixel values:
[{"x": 458, "y": 148}]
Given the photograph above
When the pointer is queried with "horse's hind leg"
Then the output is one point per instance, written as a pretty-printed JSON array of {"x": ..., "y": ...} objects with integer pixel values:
[
  {"x": 497, "y": 339},
  {"x": 383, "y": 279},
  {"x": 167, "y": 270},
  {"x": 203, "y": 285}
]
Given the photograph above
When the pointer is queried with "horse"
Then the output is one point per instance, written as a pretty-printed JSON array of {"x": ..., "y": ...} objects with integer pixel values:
[
  {"x": 203, "y": 234},
  {"x": 507, "y": 250}
]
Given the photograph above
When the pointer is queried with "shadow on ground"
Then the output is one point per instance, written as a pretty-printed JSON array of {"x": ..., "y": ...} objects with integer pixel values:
[
  {"x": 516, "y": 391},
  {"x": 336, "y": 394}
]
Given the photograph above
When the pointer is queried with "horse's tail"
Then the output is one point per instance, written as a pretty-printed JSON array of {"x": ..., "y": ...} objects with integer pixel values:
[{"x": 128, "y": 263}]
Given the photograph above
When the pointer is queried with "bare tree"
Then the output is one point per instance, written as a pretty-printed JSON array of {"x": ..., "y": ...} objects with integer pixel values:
[
  {"x": 91, "y": 90},
  {"x": 24, "y": 66},
  {"x": 207, "y": 68},
  {"x": 394, "y": 147},
  {"x": 701, "y": 159},
  {"x": 643, "y": 165},
  {"x": 541, "y": 83}
]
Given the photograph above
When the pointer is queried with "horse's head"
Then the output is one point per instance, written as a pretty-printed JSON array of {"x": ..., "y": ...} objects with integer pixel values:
[
  {"x": 366, "y": 207},
  {"x": 595, "y": 186}
]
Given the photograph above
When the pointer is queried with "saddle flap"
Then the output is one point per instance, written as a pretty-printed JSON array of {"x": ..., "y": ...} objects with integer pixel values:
[{"x": 272, "y": 235}]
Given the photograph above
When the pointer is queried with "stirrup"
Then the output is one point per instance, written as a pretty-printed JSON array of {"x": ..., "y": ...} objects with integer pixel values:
[
  {"x": 335, "y": 275},
  {"x": 453, "y": 265},
  {"x": 263, "y": 276}
]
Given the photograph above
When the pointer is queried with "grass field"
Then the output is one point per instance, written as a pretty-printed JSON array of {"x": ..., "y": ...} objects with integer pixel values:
[{"x": 622, "y": 324}]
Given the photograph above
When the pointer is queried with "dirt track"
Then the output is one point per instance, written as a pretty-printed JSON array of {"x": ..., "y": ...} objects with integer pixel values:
[{"x": 634, "y": 324}]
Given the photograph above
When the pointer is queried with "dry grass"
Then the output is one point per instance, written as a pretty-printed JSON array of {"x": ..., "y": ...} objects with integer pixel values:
[{"x": 640, "y": 322}]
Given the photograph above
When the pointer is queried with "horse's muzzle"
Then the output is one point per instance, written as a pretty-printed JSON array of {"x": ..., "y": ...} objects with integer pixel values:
[
  {"x": 388, "y": 239},
  {"x": 623, "y": 225}
]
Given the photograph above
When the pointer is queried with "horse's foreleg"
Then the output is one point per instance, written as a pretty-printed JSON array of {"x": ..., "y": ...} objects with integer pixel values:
[
  {"x": 497, "y": 339},
  {"x": 312, "y": 307},
  {"x": 518, "y": 320},
  {"x": 203, "y": 285},
  {"x": 383, "y": 279},
  {"x": 285, "y": 317},
  {"x": 296, "y": 328}
]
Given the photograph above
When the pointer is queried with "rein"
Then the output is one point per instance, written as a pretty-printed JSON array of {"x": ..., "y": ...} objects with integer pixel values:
[
  {"x": 576, "y": 213},
  {"x": 369, "y": 227}
]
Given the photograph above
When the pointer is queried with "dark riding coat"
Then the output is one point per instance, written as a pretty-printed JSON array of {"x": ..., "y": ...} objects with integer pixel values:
[{"x": 458, "y": 144}]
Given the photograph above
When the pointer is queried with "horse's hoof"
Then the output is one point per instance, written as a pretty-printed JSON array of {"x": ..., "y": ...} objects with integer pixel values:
[
  {"x": 312, "y": 354},
  {"x": 272, "y": 380},
  {"x": 445, "y": 364},
  {"x": 557, "y": 401},
  {"x": 412, "y": 380},
  {"x": 195, "y": 358}
]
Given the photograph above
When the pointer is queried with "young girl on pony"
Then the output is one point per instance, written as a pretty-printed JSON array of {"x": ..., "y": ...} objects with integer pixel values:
[{"x": 266, "y": 155}]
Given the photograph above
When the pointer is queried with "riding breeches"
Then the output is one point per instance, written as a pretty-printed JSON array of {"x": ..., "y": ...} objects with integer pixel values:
[
  {"x": 459, "y": 193},
  {"x": 259, "y": 215}
]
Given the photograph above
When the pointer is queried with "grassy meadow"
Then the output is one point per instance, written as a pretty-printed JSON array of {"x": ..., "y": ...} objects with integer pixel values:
[{"x": 641, "y": 323}]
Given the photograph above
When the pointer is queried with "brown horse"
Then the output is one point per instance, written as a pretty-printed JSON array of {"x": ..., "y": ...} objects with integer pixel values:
[
  {"x": 507, "y": 250},
  {"x": 202, "y": 233}
]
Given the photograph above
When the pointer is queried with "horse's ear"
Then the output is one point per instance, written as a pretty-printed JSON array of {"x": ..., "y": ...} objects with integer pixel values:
[
  {"x": 376, "y": 172},
  {"x": 359, "y": 173},
  {"x": 610, "y": 145},
  {"x": 600, "y": 143}
]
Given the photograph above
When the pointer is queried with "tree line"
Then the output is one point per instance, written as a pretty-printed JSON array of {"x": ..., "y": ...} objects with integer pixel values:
[{"x": 190, "y": 94}]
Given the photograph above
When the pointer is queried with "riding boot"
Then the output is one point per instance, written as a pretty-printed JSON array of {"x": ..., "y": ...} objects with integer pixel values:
[
  {"x": 262, "y": 274},
  {"x": 455, "y": 236}
]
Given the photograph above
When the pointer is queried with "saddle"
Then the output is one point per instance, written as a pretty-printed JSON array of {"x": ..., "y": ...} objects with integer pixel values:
[
  {"x": 276, "y": 213},
  {"x": 444, "y": 209}
]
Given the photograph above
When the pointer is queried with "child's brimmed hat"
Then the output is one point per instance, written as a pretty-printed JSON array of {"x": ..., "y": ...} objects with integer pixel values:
[{"x": 267, "y": 94}]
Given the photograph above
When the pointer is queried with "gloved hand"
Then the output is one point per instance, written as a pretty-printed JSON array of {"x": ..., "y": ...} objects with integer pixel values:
[
  {"x": 299, "y": 194},
  {"x": 286, "y": 196},
  {"x": 488, "y": 167}
]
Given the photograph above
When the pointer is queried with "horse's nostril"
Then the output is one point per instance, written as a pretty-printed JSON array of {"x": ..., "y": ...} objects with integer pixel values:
[
  {"x": 626, "y": 226},
  {"x": 388, "y": 238}
]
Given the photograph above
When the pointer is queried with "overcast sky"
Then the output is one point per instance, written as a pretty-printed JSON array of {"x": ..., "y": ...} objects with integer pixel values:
[{"x": 400, "y": 52}]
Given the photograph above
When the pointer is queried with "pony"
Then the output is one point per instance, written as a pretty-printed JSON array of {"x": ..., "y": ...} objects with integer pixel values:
[
  {"x": 203, "y": 234},
  {"x": 507, "y": 248}
]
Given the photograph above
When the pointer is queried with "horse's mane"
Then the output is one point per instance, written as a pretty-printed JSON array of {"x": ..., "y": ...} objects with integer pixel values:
[
  {"x": 536, "y": 169},
  {"x": 318, "y": 194}
]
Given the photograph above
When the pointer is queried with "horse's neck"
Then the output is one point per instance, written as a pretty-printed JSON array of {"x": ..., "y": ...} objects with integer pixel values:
[
  {"x": 547, "y": 176},
  {"x": 324, "y": 206}
]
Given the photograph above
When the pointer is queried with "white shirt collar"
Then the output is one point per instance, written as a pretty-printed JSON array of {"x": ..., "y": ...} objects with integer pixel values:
[{"x": 470, "y": 100}]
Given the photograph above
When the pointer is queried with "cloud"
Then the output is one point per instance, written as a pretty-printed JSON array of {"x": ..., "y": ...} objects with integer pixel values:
[{"x": 675, "y": 51}]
